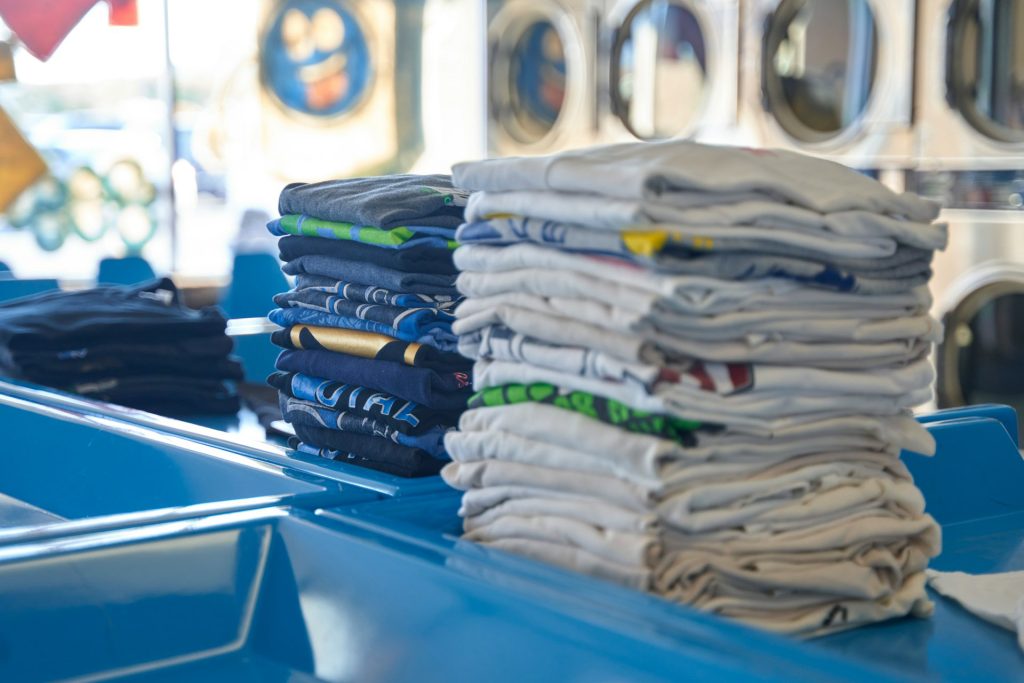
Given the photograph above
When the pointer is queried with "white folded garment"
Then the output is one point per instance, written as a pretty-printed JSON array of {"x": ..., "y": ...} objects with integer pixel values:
[
  {"x": 487, "y": 473},
  {"x": 624, "y": 548},
  {"x": 498, "y": 343},
  {"x": 875, "y": 525},
  {"x": 685, "y": 293},
  {"x": 727, "y": 238},
  {"x": 645, "y": 455},
  {"x": 791, "y": 613},
  {"x": 576, "y": 559},
  {"x": 755, "y": 302},
  {"x": 792, "y": 493},
  {"x": 685, "y": 173},
  {"x": 996, "y": 598},
  {"x": 795, "y": 509},
  {"x": 654, "y": 345},
  {"x": 769, "y": 218},
  {"x": 830, "y": 616},
  {"x": 482, "y": 506},
  {"x": 752, "y": 412},
  {"x": 684, "y": 487},
  {"x": 872, "y": 573},
  {"x": 796, "y": 326}
]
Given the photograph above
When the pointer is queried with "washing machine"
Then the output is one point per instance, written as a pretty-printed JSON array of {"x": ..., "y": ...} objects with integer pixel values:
[
  {"x": 541, "y": 75},
  {"x": 339, "y": 84},
  {"x": 970, "y": 90},
  {"x": 970, "y": 157},
  {"x": 668, "y": 69},
  {"x": 981, "y": 356},
  {"x": 832, "y": 78}
]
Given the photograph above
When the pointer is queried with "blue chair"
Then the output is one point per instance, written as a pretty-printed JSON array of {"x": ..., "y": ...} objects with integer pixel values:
[
  {"x": 15, "y": 289},
  {"x": 255, "y": 279},
  {"x": 4, "y": 268},
  {"x": 130, "y": 270}
]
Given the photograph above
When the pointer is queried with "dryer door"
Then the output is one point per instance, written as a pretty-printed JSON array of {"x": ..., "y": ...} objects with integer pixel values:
[
  {"x": 985, "y": 66},
  {"x": 819, "y": 66},
  {"x": 537, "y": 82},
  {"x": 981, "y": 358},
  {"x": 659, "y": 71}
]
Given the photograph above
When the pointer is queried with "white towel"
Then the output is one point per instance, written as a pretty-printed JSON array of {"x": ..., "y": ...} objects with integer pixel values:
[{"x": 996, "y": 598}]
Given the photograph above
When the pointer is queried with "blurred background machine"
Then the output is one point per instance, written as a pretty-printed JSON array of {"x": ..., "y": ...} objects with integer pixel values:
[
  {"x": 970, "y": 156},
  {"x": 668, "y": 68},
  {"x": 831, "y": 78},
  {"x": 541, "y": 74}
]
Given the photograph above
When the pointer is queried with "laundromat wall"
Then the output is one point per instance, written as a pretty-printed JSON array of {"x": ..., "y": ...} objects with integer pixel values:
[{"x": 177, "y": 153}]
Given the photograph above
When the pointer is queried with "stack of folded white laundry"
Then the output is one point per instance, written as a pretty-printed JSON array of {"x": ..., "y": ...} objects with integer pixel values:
[{"x": 695, "y": 368}]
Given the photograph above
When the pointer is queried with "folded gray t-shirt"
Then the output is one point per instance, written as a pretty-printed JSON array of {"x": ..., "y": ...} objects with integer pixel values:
[{"x": 383, "y": 202}]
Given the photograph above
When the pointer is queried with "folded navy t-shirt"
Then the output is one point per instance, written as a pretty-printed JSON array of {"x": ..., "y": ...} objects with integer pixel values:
[
  {"x": 150, "y": 312},
  {"x": 402, "y": 415},
  {"x": 370, "y": 451},
  {"x": 413, "y": 259},
  {"x": 442, "y": 390},
  {"x": 365, "y": 273}
]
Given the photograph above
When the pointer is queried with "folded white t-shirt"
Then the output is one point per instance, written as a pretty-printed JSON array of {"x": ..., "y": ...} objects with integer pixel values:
[{"x": 686, "y": 173}]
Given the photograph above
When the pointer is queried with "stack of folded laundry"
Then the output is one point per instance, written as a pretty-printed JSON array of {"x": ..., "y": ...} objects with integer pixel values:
[
  {"x": 695, "y": 368},
  {"x": 137, "y": 346},
  {"x": 370, "y": 373}
]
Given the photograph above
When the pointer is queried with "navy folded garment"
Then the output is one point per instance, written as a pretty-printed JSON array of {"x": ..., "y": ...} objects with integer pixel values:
[
  {"x": 372, "y": 274},
  {"x": 413, "y": 259},
  {"x": 369, "y": 451},
  {"x": 166, "y": 395},
  {"x": 440, "y": 390},
  {"x": 436, "y": 334},
  {"x": 368, "y": 345},
  {"x": 405, "y": 319},
  {"x": 401, "y": 415},
  {"x": 202, "y": 357},
  {"x": 369, "y": 294},
  {"x": 424, "y": 470},
  {"x": 151, "y": 312},
  {"x": 215, "y": 346},
  {"x": 384, "y": 202},
  {"x": 95, "y": 368},
  {"x": 296, "y": 411}
]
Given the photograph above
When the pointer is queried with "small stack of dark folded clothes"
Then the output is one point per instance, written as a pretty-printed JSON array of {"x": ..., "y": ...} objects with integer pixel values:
[
  {"x": 370, "y": 374},
  {"x": 137, "y": 346}
]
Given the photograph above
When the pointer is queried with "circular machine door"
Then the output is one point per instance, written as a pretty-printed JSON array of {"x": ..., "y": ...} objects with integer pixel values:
[
  {"x": 315, "y": 58},
  {"x": 985, "y": 66},
  {"x": 533, "y": 65},
  {"x": 659, "y": 69},
  {"x": 819, "y": 66},
  {"x": 981, "y": 358}
]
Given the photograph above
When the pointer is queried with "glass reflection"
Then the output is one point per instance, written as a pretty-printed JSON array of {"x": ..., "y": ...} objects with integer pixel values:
[
  {"x": 659, "y": 68},
  {"x": 987, "y": 66},
  {"x": 820, "y": 65},
  {"x": 537, "y": 80}
]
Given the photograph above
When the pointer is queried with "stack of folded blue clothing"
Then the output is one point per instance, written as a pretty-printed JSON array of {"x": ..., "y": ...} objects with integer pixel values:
[
  {"x": 137, "y": 346},
  {"x": 369, "y": 373}
]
